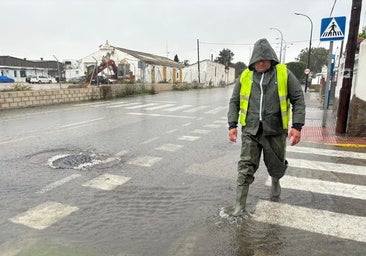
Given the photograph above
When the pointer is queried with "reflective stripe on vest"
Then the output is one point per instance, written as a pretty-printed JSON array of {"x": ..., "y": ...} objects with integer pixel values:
[{"x": 246, "y": 80}]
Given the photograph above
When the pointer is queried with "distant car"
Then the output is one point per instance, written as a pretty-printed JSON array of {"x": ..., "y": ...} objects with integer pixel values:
[
  {"x": 77, "y": 79},
  {"x": 5, "y": 79},
  {"x": 40, "y": 80},
  {"x": 28, "y": 78}
]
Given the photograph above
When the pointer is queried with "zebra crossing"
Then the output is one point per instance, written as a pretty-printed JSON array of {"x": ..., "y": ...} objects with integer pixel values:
[
  {"x": 48, "y": 213},
  {"x": 318, "y": 221}
]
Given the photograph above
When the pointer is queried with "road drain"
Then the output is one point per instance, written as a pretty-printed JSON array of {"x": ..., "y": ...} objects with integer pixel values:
[{"x": 78, "y": 161}]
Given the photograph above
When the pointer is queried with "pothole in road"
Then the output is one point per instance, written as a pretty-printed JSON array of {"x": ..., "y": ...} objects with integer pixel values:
[{"x": 73, "y": 161}]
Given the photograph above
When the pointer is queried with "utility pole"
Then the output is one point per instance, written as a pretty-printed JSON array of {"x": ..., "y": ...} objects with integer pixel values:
[
  {"x": 58, "y": 71},
  {"x": 345, "y": 92},
  {"x": 198, "y": 62}
]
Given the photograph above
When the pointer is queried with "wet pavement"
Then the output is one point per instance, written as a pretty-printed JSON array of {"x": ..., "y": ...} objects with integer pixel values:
[
  {"x": 314, "y": 132},
  {"x": 164, "y": 183}
]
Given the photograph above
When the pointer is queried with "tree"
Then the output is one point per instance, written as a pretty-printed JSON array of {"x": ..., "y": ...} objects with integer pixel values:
[
  {"x": 225, "y": 57},
  {"x": 176, "y": 59},
  {"x": 297, "y": 69},
  {"x": 318, "y": 58},
  {"x": 239, "y": 68}
]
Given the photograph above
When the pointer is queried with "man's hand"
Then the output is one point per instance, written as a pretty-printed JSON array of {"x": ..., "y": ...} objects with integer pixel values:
[
  {"x": 233, "y": 134},
  {"x": 294, "y": 136}
]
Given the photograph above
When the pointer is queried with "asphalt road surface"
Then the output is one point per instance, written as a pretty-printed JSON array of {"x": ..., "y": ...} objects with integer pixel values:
[{"x": 155, "y": 175}]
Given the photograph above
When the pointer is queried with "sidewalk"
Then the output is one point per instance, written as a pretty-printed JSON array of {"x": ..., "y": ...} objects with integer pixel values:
[{"x": 313, "y": 131}]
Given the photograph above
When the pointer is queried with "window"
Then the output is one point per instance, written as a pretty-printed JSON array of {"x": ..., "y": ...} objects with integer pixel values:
[
  {"x": 123, "y": 69},
  {"x": 22, "y": 73}
]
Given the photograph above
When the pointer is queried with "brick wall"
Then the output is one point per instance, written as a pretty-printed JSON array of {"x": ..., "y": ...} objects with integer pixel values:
[{"x": 22, "y": 99}]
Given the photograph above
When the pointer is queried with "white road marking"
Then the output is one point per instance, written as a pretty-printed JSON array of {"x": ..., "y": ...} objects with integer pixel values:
[
  {"x": 322, "y": 187},
  {"x": 44, "y": 215},
  {"x": 193, "y": 110},
  {"x": 189, "y": 138},
  {"x": 110, "y": 160},
  {"x": 121, "y": 153},
  {"x": 84, "y": 122},
  {"x": 171, "y": 131},
  {"x": 187, "y": 124},
  {"x": 212, "y": 125},
  {"x": 141, "y": 106},
  {"x": 116, "y": 157},
  {"x": 58, "y": 183},
  {"x": 92, "y": 104},
  {"x": 107, "y": 181},
  {"x": 107, "y": 104},
  {"x": 170, "y": 147},
  {"x": 159, "y": 107},
  {"x": 220, "y": 121},
  {"x": 215, "y": 110},
  {"x": 159, "y": 115},
  {"x": 178, "y": 108},
  {"x": 201, "y": 131},
  {"x": 149, "y": 140},
  {"x": 327, "y": 166},
  {"x": 317, "y": 221},
  {"x": 17, "y": 139},
  {"x": 123, "y": 105},
  {"x": 326, "y": 152},
  {"x": 146, "y": 161}
]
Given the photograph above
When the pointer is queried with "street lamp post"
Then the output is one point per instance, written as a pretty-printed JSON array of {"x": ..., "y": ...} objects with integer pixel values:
[
  {"x": 281, "y": 42},
  {"x": 309, "y": 51}
]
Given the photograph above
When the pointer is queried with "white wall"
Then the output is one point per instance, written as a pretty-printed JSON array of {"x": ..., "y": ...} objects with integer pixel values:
[
  {"x": 210, "y": 73},
  {"x": 360, "y": 83}
]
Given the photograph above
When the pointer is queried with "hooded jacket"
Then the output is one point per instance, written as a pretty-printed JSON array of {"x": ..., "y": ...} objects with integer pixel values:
[{"x": 264, "y": 103}]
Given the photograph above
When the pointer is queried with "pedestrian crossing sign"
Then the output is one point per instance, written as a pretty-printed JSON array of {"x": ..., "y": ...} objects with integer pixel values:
[{"x": 333, "y": 28}]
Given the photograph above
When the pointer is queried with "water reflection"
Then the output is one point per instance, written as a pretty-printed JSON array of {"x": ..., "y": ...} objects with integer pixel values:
[{"x": 248, "y": 237}]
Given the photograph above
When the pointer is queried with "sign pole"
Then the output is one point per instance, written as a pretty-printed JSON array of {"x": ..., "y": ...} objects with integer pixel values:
[
  {"x": 332, "y": 29},
  {"x": 329, "y": 84}
]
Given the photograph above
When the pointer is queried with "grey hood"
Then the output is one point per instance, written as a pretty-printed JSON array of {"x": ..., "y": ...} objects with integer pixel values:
[{"x": 262, "y": 50}]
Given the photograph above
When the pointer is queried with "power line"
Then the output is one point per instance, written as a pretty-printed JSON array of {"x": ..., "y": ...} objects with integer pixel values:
[{"x": 331, "y": 12}]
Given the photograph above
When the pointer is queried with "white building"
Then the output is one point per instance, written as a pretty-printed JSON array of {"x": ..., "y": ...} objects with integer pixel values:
[
  {"x": 19, "y": 69},
  {"x": 123, "y": 63},
  {"x": 211, "y": 73}
]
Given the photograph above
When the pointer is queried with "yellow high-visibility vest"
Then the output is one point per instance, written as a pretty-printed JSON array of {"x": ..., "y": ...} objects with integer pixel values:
[{"x": 246, "y": 80}]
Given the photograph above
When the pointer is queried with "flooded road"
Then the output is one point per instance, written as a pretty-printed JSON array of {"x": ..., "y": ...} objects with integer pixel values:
[{"x": 155, "y": 175}]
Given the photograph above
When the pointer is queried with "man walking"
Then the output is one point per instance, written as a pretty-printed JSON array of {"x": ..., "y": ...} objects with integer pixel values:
[{"x": 261, "y": 102}]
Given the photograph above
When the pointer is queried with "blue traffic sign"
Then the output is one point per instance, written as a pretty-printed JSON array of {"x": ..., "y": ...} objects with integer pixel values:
[{"x": 333, "y": 28}]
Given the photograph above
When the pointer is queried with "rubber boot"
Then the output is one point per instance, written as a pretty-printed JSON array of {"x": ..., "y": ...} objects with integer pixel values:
[
  {"x": 275, "y": 189},
  {"x": 241, "y": 200}
]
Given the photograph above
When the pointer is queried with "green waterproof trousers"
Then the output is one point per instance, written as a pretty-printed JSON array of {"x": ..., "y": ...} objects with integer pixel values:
[{"x": 274, "y": 153}]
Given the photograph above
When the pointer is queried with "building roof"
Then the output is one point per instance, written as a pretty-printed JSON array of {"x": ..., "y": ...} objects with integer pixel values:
[
  {"x": 10, "y": 61},
  {"x": 151, "y": 58}
]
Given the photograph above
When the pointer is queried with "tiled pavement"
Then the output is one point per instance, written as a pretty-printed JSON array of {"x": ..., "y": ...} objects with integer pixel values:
[{"x": 313, "y": 131}]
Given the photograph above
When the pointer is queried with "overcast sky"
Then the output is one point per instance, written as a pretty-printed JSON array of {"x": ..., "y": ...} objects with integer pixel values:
[{"x": 73, "y": 29}]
